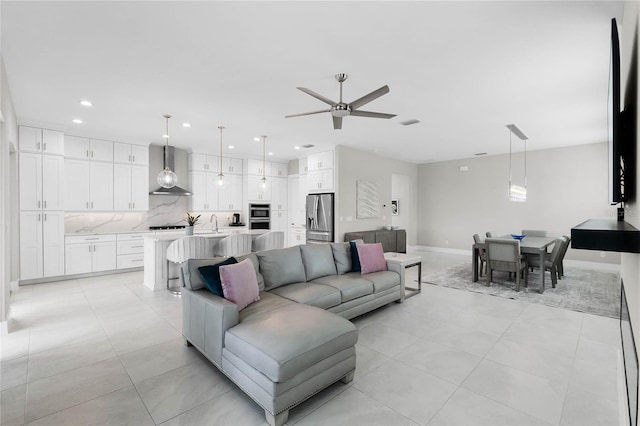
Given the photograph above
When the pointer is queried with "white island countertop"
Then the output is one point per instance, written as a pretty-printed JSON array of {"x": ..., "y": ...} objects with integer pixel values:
[{"x": 174, "y": 235}]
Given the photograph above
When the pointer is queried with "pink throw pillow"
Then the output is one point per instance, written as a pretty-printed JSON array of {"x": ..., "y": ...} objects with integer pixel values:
[
  {"x": 371, "y": 258},
  {"x": 239, "y": 283}
]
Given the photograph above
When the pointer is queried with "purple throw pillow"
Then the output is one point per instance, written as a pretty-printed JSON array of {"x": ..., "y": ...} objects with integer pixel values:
[
  {"x": 371, "y": 258},
  {"x": 239, "y": 283}
]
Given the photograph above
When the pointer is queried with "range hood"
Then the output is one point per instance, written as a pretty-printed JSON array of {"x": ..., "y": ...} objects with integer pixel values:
[{"x": 169, "y": 161}]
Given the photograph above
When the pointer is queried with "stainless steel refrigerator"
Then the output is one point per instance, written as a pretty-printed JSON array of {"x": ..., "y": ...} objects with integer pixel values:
[{"x": 319, "y": 218}]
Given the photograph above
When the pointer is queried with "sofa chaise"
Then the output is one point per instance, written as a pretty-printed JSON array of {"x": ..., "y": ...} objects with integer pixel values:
[{"x": 296, "y": 339}]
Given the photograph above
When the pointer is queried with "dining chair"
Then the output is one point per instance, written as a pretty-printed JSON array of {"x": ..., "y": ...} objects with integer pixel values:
[
  {"x": 534, "y": 233},
  {"x": 551, "y": 262},
  {"x": 483, "y": 253},
  {"x": 504, "y": 255},
  {"x": 489, "y": 234},
  {"x": 563, "y": 252},
  {"x": 268, "y": 240},
  {"x": 190, "y": 247},
  {"x": 233, "y": 245}
]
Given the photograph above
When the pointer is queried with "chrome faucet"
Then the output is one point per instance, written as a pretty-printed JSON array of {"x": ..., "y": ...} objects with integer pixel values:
[{"x": 211, "y": 221}]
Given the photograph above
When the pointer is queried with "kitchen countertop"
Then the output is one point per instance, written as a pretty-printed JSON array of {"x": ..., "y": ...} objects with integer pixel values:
[{"x": 170, "y": 236}]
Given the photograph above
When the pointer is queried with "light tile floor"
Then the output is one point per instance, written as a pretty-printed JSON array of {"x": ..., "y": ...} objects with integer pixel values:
[{"x": 105, "y": 350}]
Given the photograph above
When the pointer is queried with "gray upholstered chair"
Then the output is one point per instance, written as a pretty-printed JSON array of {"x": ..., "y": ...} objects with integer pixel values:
[
  {"x": 567, "y": 242},
  {"x": 483, "y": 252},
  {"x": 233, "y": 245},
  {"x": 190, "y": 247},
  {"x": 504, "y": 255},
  {"x": 534, "y": 233},
  {"x": 551, "y": 262},
  {"x": 268, "y": 240}
]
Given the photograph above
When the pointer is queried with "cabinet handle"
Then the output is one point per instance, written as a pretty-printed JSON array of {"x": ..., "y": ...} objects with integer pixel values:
[
  {"x": 134, "y": 158},
  {"x": 87, "y": 204},
  {"x": 91, "y": 153},
  {"x": 45, "y": 204},
  {"x": 92, "y": 204},
  {"x": 129, "y": 157},
  {"x": 44, "y": 146},
  {"x": 134, "y": 205},
  {"x": 45, "y": 216},
  {"x": 38, "y": 146},
  {"x": 38, "y": 217},
  {"x": 129, "y": 205},
  {"x": 137, "y": 246},
  {"x": 137, "y": 260},
  {"x": 87, "y": 153},
  {"x": 38, "y": 203},
  {"x": 92, "y": 239}
]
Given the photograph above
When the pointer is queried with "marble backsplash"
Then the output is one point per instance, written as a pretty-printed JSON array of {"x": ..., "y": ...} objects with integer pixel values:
[{"x": 163, "y": 210}]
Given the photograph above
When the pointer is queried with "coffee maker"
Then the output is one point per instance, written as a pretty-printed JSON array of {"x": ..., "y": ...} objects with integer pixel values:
[{"x": 236, "y": 219}]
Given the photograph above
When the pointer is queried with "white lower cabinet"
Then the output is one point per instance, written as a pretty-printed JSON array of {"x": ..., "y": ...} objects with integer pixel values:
[
  {"x": 41, "y": 244},
  {"x": 297, "y": 236},
  {"x": 90, "y": 253},
  {"x": 130, "y": 251},
  {"x": 279, "y": 221}
]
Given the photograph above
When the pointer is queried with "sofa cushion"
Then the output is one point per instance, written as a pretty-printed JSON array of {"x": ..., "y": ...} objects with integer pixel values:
[
  {"x": 290, "y": 340},
  {"x": 318, "y": 261},
  {"x": 210, "y": 274},
  {"x": 281, "y": 266},
  {"x": 318, "y": 295},
  {"x": 350, "y": 287},
  {"x": 342, "y": 257},
  {"x": 371, "y": 258},
  {"x": 239, "y": 283},
  {"x": 268, "y": 302},
  {"x": 256, "y": 265},
  {"x": 190, "y": 274},
  {"x": 382, "y": 280}
]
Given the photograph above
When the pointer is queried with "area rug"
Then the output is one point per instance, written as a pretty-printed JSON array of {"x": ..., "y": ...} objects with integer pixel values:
[{"x": 583, "y": 290}]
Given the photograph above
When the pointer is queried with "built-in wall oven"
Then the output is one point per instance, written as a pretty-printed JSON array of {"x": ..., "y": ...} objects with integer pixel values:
[{"x": 259, "y": 216}]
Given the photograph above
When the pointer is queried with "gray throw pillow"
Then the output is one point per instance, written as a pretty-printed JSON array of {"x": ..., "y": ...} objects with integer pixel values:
[
  {"x": 342, "y": 257},
  {"x": 256, "y": 266},
  {"x": 281, "y": 266},
  {"x": 318, "y": 260}
]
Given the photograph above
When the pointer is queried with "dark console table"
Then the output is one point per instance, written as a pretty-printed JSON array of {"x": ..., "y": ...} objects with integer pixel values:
[{"x": 394, "y": 240}]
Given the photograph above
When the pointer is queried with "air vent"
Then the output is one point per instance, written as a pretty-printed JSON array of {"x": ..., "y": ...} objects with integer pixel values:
[
  {"x": 308, "y": 145},
  {"x": 410, "y": 122}
]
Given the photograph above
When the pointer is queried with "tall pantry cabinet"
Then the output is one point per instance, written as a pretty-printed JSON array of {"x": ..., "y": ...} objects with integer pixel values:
[{"x": 41, "y": 175}]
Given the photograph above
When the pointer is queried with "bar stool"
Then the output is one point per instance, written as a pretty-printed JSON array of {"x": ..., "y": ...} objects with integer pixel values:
[{"x": 186, "y": 248}]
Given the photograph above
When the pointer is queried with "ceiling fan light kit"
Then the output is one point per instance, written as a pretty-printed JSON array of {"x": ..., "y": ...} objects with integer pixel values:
[{"x": 341, "y": 109}]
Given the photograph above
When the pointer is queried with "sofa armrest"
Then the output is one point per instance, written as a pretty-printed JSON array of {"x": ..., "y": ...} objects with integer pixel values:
[
  {"x": 399, "y": 269},
  {"x": 205, "y": 319}
]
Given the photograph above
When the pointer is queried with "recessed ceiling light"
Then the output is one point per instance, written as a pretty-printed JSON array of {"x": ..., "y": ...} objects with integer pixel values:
[
  {"x": 86, "y": 103},
  {"x": 257, "y": 139},
  {"x": 231, "y": 146},
  {"x": 186, "y": 125},
  {"x": 296, "y": 147},
  {"x": 77, "y": 121},
  {"x": 271, "y": 153},
  {"x": 410, "y": 122}
]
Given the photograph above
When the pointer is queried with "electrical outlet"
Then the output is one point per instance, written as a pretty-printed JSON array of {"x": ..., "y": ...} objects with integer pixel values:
[
  {"x": 349, "y": 218},
  {"x": 603, "y": 254}
]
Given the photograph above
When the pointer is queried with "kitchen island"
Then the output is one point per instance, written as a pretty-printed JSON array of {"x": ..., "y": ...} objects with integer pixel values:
[{"x": 157, "y": 270}]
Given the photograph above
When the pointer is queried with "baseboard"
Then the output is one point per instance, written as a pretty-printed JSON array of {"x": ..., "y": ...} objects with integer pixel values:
[
  {"x": 441, "y": 250},
  {"x": 612, "y": 267}
]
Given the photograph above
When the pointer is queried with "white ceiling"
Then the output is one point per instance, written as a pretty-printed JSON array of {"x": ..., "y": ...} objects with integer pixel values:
[{"x": 464, "y": 69}]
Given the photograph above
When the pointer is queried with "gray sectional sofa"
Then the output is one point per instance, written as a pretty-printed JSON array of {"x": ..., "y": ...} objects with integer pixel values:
[{"x": 296, "y": 340}]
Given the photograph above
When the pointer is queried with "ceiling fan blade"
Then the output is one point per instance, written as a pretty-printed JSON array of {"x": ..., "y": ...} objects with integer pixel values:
[
  {"x": 317, "y": 96},
  {"x": 307, "y": 113},
  {"x": 372, "y": 114},
  {"x": 337, "y": 123},
  {"x": 370, "y": 97}
]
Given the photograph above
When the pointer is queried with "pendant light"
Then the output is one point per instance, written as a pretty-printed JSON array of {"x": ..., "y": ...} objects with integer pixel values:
[
  {"x": 220, "y": 181},
  {"x": 516, "y": 192},
  {"x": 263, "y": 181},
  {"x": 167, "y": 178}
]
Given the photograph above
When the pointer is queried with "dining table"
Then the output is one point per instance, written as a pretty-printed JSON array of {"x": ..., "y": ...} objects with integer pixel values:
[{"x": 529, "y": 245}]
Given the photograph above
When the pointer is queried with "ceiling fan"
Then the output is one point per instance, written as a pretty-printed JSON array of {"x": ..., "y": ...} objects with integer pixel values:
[{"x": 342, "y": 109}]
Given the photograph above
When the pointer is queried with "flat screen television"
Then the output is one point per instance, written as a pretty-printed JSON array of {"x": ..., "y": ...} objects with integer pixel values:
[{"x": 616, "y": 174}]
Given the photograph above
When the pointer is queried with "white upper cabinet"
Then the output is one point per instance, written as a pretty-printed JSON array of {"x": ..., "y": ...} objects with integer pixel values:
[
  {"x": 255, "y": 191},
  {"x": 88, "y": 185},
  {"x": 88, "y": 149},
  {"x": 302, "y": 166},
  {"x": 204, "y": 190},
  {"x": 278, "y": 193},
  {"x": 125, "y": 153},
  {"x": 203, "y": 162},
  {"x": 230, "y": 196},
  {"x": 279, "y": 169},
  {"x": 41, "y": 178},
  {"x": 257, "y": 167},
  {"x": 41, "y": 140},
  {"x": 231, "y": 165},
  {"x": 130, "y": 187},
  {"x": 320, "y": 180},
  {"x": 320, "y": 161}
]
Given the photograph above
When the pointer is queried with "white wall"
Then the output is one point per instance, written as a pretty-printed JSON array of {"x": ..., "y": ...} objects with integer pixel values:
[
  {"x": 629, "y": 64},
  {"x": 8, "y": 210},
  {"x": 565, "y": 186},
  {"x": 353, "y": 165}
]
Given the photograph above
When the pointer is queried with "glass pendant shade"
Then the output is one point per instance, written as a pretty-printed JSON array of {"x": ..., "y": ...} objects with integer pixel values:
[
  {"x": 167, "y": 179},
  {"x": 220, "y": 181},
  {"x": 263, "y": 183}
]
